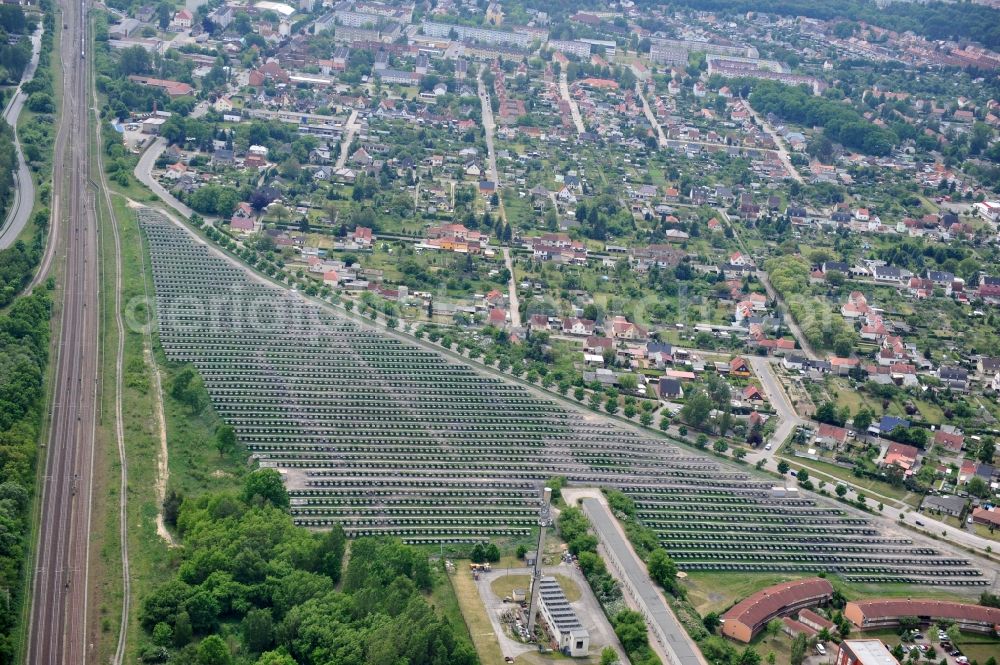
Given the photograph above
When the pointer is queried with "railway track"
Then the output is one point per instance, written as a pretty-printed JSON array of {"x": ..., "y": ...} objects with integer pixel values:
[{"x": 57, "y": 623}]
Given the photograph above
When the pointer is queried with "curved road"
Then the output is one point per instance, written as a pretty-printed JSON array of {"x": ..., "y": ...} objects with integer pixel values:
[
  {"x": 147, "y": 161},
  {"x": 57, "y": 631},
  {"x": 24, "y": 186}
]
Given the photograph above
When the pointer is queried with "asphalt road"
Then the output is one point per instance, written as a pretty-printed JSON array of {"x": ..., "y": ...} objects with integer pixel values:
[
  {"x": 24, "y": 185},
  {"x": 626, "y": 565},
  {"x": 57, "y": 628},
  {"x": 788, "y": 420},
  {"x": 144, "y": 173}
]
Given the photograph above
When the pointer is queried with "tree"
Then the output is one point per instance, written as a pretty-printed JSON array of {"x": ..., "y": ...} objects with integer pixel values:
[
  {"x": 773, "y": 628},
  {"x": 265, "y": 486},
  {"x": 628, "y": 383},
  {"x": 697, "y": 408},
  {"x": 783, "y": 467},
  {"x": 863, "y": 419},
  {"x": 645, "y": 418},
  {"x": 798, "y": 652},
  {"x": 133, "y": 60},
  {"x": 213, "y": 651},
  {"x": 986, "y": 451},
  {"x": 720, "y": 446},
  {"x": 183, "y": 632},
  {"x": 711, "y": 621},
  {"x": 609, "y": 656},
  {"x": 977, "y": 487},
  {"x": 258, "y": 630},
  {"x": 225, "y": 439},
  {"x": 841, "y": 490},
  {"x": 748, "y": 656},
  {"x": 662, "y": 569},
  {"x": 275, "y": 658},
  {"x": 803, "y": 475}
]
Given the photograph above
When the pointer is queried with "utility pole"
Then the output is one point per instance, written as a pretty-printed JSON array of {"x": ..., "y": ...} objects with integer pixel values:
[{"x": 544, "y": 520}]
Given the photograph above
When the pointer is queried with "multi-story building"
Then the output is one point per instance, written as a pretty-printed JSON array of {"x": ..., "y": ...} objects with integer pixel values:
[{"x": 470, "y": 33}]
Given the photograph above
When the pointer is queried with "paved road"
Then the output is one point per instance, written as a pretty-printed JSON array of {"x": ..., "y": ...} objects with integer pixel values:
[
  {"x": 24, "y": 184},
  {"x": 57, "y": 629},
  {"x": 573, "y": 108},
  {"x": 671, "y": 638},
  {"x": 780, "y": 143},
  {"x": 661, "y": 138},
  {"x": 788, "y": 418},
  {"x": 489, "y": 126},
  {"x": 350, "y": 129},
  {"x": 144, "y": 173},
  {"x": 515, "y": 306}
]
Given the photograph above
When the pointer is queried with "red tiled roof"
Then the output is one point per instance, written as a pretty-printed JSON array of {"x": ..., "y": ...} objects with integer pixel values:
[
  {"x": 809, "y": 615},
  {"x": 764, "y": 604},
  {"x": 874, "y": 610}
]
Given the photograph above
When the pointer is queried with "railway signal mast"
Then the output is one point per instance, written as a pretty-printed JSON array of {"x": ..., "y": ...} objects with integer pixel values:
[{"x": 544, "y": 521}]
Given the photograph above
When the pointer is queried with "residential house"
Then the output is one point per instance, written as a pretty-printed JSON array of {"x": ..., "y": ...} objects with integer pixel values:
[
  {"x": 951, "y": 441},
  {"x": 580, "y": 327},
  {"x": 669, "y": 388},
  {"x": 622, "y": 328},
  {"x": 955, "y": 378},
  {"x": 901, "y": 455},
  {"x": 831, "y": 436},
  {"x": 739, "y": 367}
]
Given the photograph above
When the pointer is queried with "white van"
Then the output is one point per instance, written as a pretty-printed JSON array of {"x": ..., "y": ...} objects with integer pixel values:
[{"x": 820, "y": 649}]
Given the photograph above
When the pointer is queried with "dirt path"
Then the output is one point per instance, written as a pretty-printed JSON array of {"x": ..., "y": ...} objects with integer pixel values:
[{"x": 162, "y": 459}]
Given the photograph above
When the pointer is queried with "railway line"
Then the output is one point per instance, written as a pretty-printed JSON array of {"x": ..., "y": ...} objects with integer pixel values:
[{"x": 57, "y": 622}]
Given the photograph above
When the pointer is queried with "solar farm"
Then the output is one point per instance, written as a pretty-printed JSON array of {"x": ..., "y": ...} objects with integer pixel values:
[{"x": 384, "y": 436}]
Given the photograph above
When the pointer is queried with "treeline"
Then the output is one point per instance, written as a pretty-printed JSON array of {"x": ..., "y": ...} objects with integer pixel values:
[
  {"x": 252, "y": 587},
  {"x": 14, "y": 57},
  {"x": 839, "y": 122},
  {"x": 24, "y": 346},
  {"x": 37, "y": 137},
  {"x": 933, "y": 20}
]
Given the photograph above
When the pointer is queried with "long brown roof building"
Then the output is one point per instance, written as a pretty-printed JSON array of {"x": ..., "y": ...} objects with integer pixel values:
[
  {"x": 748, "y": 617},
  {"x": 874, "y": 614}
]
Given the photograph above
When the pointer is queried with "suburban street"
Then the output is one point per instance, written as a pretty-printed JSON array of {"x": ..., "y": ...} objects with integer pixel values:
[
  {"x": 57, "y": 624},
  {"x": 350, "y": 129},
  {"x": 573, "y": 108},
  {"x": 144, "y": 173},
  {"x": 24, "y": 184},
  {"x": 788, "y": 420},
  {"x": 789, "y": 320},
  {"x": 661, "y": 138},
  {"x": 780, "y": 143},
  {"x": 488, "y": 128}
]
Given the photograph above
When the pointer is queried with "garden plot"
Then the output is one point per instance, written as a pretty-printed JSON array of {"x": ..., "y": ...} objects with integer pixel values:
[{"x": 386, "y": 437}]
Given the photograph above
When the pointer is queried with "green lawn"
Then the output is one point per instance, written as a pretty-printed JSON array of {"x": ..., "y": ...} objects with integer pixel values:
[{"x": 868, "y": 484}]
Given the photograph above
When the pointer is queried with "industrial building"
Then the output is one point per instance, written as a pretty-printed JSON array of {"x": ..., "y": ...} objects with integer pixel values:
[{"x": 566, "y": 629}]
